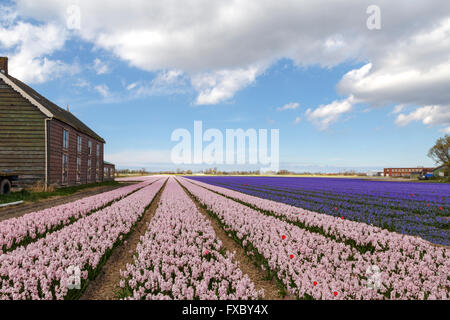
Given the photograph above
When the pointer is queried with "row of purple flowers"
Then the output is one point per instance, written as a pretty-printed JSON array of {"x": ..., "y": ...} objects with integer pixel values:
[{"x": 418, "y": 209}]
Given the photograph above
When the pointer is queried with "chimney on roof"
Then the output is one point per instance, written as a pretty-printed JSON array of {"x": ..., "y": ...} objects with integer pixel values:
[
  {"x": 4, "y": 65},
  {"x": 68, "y": 108}
]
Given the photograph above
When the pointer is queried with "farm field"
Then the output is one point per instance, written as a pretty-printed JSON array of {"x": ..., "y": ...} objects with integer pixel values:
[
  {"x": 209, "y": 238},
  {"x": 43, "y": 200},
  {"x": 416, "y": 209},
  {"x": 321, "y": 256}
]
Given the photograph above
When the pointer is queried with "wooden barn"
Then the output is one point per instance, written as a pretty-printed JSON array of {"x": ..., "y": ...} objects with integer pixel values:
[{"x": 41, "y": 141}]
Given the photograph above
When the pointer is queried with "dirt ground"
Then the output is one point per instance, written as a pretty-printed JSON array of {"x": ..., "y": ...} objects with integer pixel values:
[{"x": 24, "y": 208}]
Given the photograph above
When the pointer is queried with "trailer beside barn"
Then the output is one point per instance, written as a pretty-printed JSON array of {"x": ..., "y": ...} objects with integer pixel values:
[{"x": 6, "y": 180}]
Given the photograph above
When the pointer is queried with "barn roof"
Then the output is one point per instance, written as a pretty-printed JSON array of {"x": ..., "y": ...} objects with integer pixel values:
[{"x": 51, "y": 109}]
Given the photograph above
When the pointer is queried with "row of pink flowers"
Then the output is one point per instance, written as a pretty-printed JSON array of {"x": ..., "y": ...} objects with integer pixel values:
[
  {"x": 310, "y": 264},
  {"x": 179, "y": 257},
  {"x": 36, "y": 224},
  {"x": 40, "y": 270},
  {"x": 134, "y": 178}
]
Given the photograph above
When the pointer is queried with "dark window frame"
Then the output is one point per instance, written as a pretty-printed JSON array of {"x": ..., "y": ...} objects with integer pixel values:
[
  {"x": 89, "y": 170},
  {"x": 65, "y": 139},
  {"x": 79, "y": 143},
  {"x": 78, "y": 176},
  {"x": 65, "y": 169}
]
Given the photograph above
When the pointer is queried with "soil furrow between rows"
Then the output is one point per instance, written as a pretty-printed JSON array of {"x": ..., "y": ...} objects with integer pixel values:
[{"x": 106, "y": 284}]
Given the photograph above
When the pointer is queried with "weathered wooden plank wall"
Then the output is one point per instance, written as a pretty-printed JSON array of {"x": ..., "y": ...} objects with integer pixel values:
[{"x": 22, "y": 136}]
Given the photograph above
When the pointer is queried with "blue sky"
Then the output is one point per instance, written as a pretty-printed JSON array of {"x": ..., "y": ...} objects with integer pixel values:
[{"x": 350, "y": 108}]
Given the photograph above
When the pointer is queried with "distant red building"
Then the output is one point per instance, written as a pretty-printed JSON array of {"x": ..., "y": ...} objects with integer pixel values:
[{"x": 405, "y": 172}]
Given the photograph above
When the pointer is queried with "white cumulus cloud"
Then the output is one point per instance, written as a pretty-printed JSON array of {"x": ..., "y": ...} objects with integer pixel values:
[
  {"x": 289, "y": 106},
  {"x": 216, "y": 44},
  {"x": 103, "y": 90},
  {"x": 428, "y": 115},
  {"x": 324, "y": 115},
  {"x": 28, "y": 47},
  {"x": 221, "y": 85},
  {"x": 100, "y": 67}
]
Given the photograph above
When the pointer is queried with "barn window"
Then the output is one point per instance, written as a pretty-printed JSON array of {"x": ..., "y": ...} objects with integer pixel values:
[
  {"x": 89, "y": 170},
  {"x": 78, "y": 169},
  {"x": 79, "y": 142},
  {"x": 65, "y": 139},
  {"x": 64, "y": 168},
  {"x": 89, "y": 147},
  {"x": 97, "y": 171},
  {"x": 98, "y": 150}
]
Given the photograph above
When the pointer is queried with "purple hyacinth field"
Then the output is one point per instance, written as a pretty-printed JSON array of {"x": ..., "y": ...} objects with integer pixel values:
[{"x": 417, "y": 209}]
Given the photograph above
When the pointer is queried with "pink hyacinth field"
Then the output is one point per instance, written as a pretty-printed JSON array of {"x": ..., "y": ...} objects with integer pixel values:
[{"x": 176, "y": 238}]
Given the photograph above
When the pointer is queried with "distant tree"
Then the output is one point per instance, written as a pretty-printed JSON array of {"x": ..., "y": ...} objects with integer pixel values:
[{"x": 440, "y": 152}]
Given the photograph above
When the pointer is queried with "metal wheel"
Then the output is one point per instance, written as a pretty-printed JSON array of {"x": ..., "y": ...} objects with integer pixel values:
[{"x": 5, "y": 186}]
